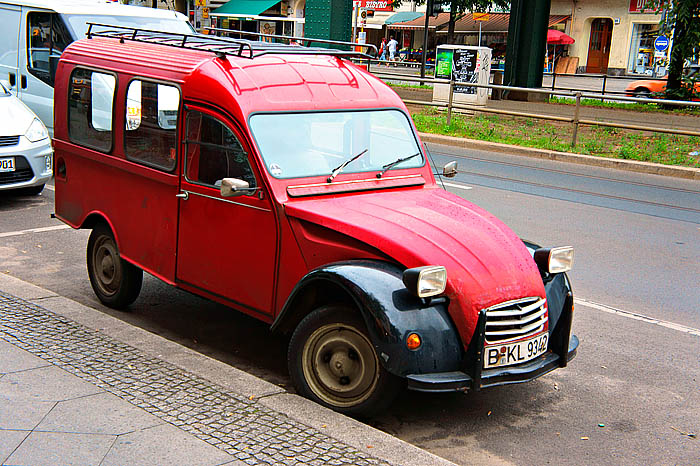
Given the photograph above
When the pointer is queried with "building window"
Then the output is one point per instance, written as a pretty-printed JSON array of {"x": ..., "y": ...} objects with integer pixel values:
[
  {"x": 641, "y": 59},
  {"x": 152, "y": 111},
  {"x": 214, "y": 152},
  {"x": 90, "y": 104}
]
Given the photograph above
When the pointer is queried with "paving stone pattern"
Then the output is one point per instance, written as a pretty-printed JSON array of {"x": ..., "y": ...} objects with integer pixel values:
[{"x": 239, "y": 426}]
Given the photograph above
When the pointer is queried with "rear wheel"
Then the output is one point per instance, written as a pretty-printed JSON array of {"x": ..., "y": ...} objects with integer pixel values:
[
  {"x": 333, "y": 362},
  {"x": 116, "y": 282},
  {"x": 642, "y": 93}
]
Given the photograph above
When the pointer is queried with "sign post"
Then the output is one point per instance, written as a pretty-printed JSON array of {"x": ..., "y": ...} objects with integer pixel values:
[{"x": 480, "y": 17}]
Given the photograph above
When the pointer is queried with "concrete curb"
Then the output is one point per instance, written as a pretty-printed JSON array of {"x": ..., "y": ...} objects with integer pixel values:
[
  {"x": 619, "y": 164},
  {"x": 349, "y": 431}
]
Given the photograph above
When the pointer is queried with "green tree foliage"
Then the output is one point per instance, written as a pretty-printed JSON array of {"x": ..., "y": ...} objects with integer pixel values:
[
  {"x": 459, "y": 7},
  {"x": 682, "y": 22}
]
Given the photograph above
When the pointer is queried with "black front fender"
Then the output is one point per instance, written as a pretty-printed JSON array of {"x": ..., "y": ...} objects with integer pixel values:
[{"x": 391, "y": 313}]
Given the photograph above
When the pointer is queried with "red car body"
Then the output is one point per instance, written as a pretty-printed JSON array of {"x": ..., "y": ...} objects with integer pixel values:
[{"x": 292, "y": 247}]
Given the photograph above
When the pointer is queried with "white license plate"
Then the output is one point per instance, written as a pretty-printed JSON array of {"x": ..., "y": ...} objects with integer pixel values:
[
  {"x": 515, "y": 353},
  {"x": 7, "y": 164}
]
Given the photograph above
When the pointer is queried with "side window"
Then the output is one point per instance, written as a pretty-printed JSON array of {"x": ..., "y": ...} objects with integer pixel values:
[
  {"x": 47, "y": 37},
  {"x": 90, "y": 102},
  {"x": 151, "y": 124},
  {"x": 214, "y": 152}
]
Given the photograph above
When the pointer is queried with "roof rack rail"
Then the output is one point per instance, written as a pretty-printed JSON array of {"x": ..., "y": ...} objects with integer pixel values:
[
  {"x": 308, "y": 40},
  {"x": 222, "y": 46}
]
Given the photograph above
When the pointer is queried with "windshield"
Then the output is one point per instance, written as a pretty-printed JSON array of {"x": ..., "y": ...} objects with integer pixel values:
[
  {"x": 79, "y": 26},
  {"x": 295, "y": 145}
]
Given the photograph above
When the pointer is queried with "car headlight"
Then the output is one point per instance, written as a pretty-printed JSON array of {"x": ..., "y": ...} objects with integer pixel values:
[
  {"x": 37, "y": 131},
  {"x": 425, "y": 281},
  {"x": 555, "y": 260}
]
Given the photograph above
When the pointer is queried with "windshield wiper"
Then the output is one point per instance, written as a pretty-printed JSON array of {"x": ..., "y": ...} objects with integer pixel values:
[
  {"x": 336, "y": 171},
  {"x": 391, "y": 165}
]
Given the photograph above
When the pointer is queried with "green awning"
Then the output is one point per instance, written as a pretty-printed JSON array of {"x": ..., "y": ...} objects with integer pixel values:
[
  {"x": 244, "y": 7},
  {"x": 402, "y": 16}
]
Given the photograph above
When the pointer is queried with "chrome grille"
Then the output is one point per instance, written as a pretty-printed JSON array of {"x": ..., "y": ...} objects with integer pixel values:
[
  {"x": 9, "y": 141},
  {"x": 514, "y": 320}
]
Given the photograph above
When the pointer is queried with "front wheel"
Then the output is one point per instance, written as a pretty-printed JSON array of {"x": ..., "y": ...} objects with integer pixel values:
[
  {"x": 116, "y": 282},
  {"x": 333, "y": 362}
]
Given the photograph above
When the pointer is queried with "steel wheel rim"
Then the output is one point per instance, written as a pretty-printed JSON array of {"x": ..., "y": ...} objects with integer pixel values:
[
  {"x": 340, "y": 365},
  {"x": 106, "y": 265}
]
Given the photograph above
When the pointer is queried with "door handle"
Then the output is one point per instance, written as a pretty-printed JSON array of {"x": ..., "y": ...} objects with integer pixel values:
[
  {"x": 184, "y": 196},
  {"x": 13, "y": 79},
  {"x": 23, "y": 80}
]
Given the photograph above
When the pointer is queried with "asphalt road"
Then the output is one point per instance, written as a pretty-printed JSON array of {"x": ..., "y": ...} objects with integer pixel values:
[{"x": 630, "y": 396}]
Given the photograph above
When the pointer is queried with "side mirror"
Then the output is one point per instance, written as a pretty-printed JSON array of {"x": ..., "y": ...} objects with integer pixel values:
[
  {"x": 450, "y": 169},
  {"x": 231, "y": 187}
]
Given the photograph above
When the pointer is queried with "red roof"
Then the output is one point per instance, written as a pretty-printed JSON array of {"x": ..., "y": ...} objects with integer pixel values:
[{"x": 272, "y": 82}]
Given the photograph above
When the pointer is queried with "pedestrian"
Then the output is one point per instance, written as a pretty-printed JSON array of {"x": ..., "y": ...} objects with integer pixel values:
[
  {"x": 382, "y": 49},
  {"x": 392, "y": 48}
]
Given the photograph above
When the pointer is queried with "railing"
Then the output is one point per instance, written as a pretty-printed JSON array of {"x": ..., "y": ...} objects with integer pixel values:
[{"x": 575, "y": 119}]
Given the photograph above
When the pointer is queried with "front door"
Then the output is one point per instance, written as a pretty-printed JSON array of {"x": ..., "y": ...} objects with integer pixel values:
[
  {"x": 226, "y": 245},
  {"x": 599, "y": 46}
]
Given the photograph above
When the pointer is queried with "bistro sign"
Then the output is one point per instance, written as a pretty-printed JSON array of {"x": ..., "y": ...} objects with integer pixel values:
[{"x": 376, "y": 5}]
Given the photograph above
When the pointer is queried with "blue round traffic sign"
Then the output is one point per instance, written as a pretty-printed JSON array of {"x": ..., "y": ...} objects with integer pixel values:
[{"x": 661, "y": 43}]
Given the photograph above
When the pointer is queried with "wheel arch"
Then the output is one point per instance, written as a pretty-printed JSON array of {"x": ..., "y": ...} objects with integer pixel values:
[{"x": 390, "y": 312}]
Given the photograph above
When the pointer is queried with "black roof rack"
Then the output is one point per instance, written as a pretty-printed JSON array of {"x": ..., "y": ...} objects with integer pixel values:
[
  {"x": 221, "y": 46},
  {"x": 300, "y": 41}
]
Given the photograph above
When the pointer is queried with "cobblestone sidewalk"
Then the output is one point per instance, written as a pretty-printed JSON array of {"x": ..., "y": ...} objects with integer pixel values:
[{"x": 242, "y": 428}]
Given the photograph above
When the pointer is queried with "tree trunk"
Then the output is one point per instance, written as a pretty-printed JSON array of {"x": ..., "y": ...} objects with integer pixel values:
[
  {"x": 451, "y": 24},
  {"x": 675, "y": 67}
]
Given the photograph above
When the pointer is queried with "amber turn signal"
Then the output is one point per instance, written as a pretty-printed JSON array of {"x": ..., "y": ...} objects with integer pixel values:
[{"x": 413, "y": 341}]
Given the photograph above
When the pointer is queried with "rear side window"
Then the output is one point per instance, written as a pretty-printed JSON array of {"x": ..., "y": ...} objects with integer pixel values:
[
  {"x": 90, "y": 104},
  {"x": 152, "y": 111}
]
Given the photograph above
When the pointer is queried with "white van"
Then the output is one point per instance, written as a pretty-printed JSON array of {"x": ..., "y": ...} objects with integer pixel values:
[{"x": 35, "y": 32}]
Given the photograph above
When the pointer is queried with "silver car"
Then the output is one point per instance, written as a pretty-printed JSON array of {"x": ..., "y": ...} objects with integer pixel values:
[{"x": 26, "y": 156}]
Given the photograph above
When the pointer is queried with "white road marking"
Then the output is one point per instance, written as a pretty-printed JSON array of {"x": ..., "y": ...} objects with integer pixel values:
[
  {"x": 33, "y": 230},
  {"x": 458, "y": 186},
  {"x": 640, "y": 317}
]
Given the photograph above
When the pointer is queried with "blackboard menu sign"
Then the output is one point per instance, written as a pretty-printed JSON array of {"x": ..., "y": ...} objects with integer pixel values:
[{"x": 464, "y": 70}]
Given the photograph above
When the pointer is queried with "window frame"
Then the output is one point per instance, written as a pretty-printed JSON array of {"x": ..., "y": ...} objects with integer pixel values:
[
  {"x": 44, "y": 76},
  {"x": 180, "y": 112},
  {"x": 237, "y": 134},
  {"x": 114, "y": 107}
]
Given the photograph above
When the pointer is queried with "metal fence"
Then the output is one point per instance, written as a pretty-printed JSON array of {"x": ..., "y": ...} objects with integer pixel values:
[{"x": 574, "y": 119}]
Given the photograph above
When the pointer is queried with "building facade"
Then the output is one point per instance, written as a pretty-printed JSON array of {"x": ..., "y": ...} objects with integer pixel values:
[{"x": 613, "y": 36}]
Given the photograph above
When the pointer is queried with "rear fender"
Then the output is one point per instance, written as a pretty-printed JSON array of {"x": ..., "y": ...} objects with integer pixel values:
[{"x": 390, "y": 312}]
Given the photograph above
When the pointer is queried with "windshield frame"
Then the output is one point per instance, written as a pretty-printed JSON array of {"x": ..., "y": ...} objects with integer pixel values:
[{"x": 266, "y": 170}]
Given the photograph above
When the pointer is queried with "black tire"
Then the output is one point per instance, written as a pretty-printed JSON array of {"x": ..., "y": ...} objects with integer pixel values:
[
  {"x": 333, "y": 362},
  {"x": 116, "y": 282},
  {"x": 642, "y": 93}
]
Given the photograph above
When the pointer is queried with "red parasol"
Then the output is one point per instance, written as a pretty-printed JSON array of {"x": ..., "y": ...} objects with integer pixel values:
[{"x": 558, "y": 37}]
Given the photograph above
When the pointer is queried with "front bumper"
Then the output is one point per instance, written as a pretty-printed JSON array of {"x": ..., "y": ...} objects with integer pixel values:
[
  {"x": 31, "y": 163},
  {"x": 562, "y": 349},
  {"x": 461, "y": 381}
]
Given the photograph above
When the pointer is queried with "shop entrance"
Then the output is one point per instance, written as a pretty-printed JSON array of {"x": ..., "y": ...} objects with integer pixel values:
[{"x": 599, "y": 45}]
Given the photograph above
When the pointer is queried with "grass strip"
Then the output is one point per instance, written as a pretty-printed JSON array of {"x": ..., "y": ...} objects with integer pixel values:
[{"x": 599, "y": 141}]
